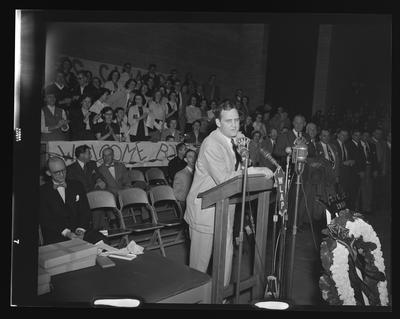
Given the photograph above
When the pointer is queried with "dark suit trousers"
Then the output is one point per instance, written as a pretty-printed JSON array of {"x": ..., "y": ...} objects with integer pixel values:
[{"x": 365, "y": 194}]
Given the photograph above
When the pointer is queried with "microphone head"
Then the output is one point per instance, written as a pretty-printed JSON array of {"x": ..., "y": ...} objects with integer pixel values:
[{"x": 288, "y": 150}]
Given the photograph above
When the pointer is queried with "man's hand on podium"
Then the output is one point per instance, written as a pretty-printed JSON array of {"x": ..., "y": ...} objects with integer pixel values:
[{"x": 260, "y": 170}]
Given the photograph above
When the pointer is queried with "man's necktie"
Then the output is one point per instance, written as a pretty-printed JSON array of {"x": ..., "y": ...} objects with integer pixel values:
[
  {"x": 331, "y": 158},
  {"x": 237, "y": 155},
  {"x": 64, "y": 184}
]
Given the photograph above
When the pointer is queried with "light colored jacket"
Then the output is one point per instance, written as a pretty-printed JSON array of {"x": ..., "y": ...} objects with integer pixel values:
[
  {"x": 215, "y": 164},
  {"x": 182, "y": 182},
  {"x": 134, "y": 123}
]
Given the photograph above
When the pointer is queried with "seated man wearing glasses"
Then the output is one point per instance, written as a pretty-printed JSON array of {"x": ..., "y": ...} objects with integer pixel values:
[{"x": 64, "y": 207}]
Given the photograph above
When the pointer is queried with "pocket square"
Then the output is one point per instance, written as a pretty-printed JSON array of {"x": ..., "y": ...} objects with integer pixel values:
[{"x": 77, "y": 198}]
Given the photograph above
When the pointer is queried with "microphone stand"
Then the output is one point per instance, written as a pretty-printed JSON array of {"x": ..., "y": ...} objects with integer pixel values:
[
  {"x": 240, "y": 238},
  {"x": 284, "y": 228},
  {"x": 299, "y": 167}
]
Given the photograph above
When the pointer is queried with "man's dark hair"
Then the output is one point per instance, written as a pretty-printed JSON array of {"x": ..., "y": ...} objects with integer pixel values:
[
  {"x": 129, "y": 82},
  {"x": 196, "y": 121},
  {"x": 169, "y": 136},
  {"x": 179, "y": 146},
  {"x": 226, "y": 105},
  {"x": 81, "y": 149},
  {"x": 118, "y": 109}
]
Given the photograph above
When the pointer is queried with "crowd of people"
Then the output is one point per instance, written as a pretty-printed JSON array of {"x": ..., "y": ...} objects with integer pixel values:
[{"x": 349, "y": 152}]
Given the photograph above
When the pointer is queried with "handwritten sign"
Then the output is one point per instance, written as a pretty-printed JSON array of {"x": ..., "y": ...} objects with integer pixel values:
[
  {"x": 135, "y": 154},
  {"x": 282, "y": 200}
]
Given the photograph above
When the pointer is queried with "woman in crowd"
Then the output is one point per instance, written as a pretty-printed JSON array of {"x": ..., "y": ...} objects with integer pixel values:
[
  {"x": 254, "y": 148},
  {"x": 258, "y": 125},
  {"x": 121, "y": 120},
  {"x": 172, "y": 106},
  {"x": 96, "y": 87},
  {"x": 245, "y": 105},
  {"x": 156, "y": 118},
  {"x": 107, "y": 130},
  {"x": 144, "y": 90},
  {"x": 247, "y": 126},
  {"x": 172, "y": 131},
  {"x": 150, "y": 86},
  {"x": 137, "y": 117},
  {"x": 204, "y": 116},
  {"x": 192, "y": 113},
  {"x": 138, "y": 86},
  {"x": 112, "y": 81},
  {"x": 81, "y": 126}
]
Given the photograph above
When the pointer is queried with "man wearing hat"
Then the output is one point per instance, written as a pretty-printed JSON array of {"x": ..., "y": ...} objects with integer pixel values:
[{"x": 54, "y": 123}]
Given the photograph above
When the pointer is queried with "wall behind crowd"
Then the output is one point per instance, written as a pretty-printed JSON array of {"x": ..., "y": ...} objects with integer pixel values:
[{"x": 236, "y": 53}]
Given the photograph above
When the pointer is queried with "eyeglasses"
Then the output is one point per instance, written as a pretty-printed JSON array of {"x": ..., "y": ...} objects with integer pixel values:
[{"x": 62, "y": 171}]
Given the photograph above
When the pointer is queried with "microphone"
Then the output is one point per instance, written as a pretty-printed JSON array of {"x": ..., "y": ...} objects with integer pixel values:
[
  {"x": 288, "y": 150},
  {"x": 299, "y": 151},
  {"x": 243, "y": 146},
  {"x": 269, "y": 157}
]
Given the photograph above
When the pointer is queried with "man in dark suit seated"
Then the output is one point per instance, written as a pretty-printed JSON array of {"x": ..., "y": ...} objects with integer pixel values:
[
  {"x": 178, "y": 162},
  {"x": 85, "y": 171},
  {"x": 64, "y": 208}
]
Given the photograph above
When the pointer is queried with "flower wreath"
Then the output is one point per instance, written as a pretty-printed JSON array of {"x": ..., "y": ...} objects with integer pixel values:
[{"x": 354, "y": 270}]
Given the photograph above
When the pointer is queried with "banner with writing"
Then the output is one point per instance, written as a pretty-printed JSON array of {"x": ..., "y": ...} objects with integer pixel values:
[
  {"x": 134, "y": 154},
  {"x": 98, "y": 69}
]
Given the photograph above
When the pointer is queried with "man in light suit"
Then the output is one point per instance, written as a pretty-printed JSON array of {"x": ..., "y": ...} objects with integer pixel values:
[
  {"x": 114, "y": 173},
  {"x": 216, "y": 163},
  {"x": 183, "y": 179},
  {"x": 115, "y": 176}
]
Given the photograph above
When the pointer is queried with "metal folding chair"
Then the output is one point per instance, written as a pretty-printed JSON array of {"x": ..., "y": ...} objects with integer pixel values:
[
  {"x": 155, "y": 176},
  {"x": 102, "y": 199},
  {"x": 136, "y": 198},
  {"x": 168, "y": 213},
  {"x": 137, "y": 179}
]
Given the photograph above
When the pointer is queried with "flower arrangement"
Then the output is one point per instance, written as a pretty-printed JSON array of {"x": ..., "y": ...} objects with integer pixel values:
[{"x": 354, "y": 269}]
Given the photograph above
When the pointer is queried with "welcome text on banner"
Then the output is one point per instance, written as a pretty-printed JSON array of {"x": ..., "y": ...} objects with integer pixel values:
[{"x": 134, "y": 154}]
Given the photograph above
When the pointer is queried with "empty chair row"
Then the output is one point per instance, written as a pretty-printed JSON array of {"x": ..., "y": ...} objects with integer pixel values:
[{"x": 162, "y": 212}]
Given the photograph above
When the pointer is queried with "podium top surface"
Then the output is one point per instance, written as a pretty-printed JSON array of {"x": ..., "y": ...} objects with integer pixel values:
[{"x": 256, "y": 183}]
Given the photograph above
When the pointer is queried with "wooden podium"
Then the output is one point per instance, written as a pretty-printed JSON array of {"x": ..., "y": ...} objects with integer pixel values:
[{"x": 230, "y": 192}]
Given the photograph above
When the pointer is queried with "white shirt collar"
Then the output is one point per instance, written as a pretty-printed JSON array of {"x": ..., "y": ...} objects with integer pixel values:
[
  {"x": 189, "y": 168},
  {"x": 60, "y": 86},
  {"x": 51, "y": 108},
  {"x": 81, "y": 164}
]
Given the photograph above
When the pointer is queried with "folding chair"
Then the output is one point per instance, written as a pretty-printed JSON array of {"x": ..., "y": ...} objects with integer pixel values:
[
  {"x": 155, "y": 176},
  {"x": 100, "y": 199},
  {"x": 137, "y": 179},
  {"x": 135, "y": 197},
  {"x": 168, "y": 212}
]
